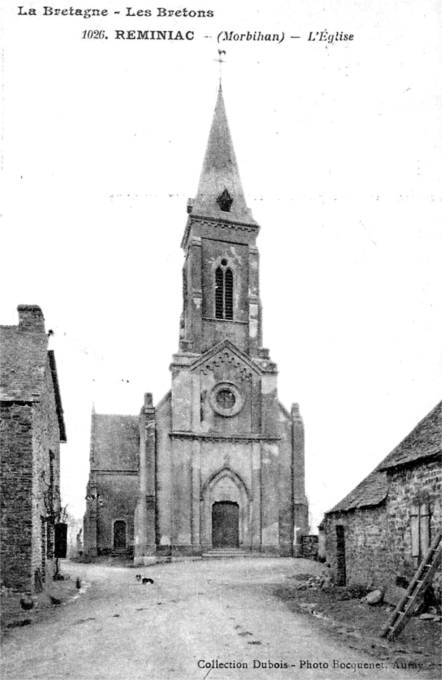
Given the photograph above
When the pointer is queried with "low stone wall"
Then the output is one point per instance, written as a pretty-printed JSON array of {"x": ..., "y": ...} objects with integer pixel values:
[{"x": 309, "y": 547}]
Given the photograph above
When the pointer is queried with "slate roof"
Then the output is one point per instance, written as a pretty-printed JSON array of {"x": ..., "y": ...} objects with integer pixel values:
[
  {"x": 423, "y": 442},
  {"x": 370, "y": 492},
  {"x": 115, "y": 442},
  {"x": 24, "y": 360},
  {"x": 220, "y": 173}
]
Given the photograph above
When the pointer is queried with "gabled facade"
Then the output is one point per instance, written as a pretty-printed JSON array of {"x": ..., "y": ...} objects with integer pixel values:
[
  {"x": 221, "y": 461},
  {"x": 32, "y": 427},
  {"x": 379, "y": 533}
]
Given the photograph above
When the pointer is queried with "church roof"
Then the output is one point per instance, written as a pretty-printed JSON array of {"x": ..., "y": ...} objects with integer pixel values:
[
  {"x": 424, "y": 442},
  {"x": 115, "y": 442},
  {"x": 220, "y": 194},
  {"x": 25, "y": 360}
]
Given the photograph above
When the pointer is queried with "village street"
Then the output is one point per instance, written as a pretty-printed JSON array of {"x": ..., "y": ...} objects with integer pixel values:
[{"x": 195, "y": 618}]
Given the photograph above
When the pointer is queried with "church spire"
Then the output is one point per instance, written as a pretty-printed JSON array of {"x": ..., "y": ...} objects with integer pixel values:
[{"x": 220, "y": 194}]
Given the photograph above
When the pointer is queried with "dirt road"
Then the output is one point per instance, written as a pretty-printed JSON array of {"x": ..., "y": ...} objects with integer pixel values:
[{"x": 205, "y": 619}]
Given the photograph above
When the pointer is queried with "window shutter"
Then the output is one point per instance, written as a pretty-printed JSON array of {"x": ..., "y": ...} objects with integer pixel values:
[
  {"x": 414, "y": 520},
  {"x": 424, "y": 528}
]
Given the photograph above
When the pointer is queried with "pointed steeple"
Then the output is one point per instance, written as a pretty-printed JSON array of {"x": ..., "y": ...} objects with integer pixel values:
[{"x": 220, "y": 194}]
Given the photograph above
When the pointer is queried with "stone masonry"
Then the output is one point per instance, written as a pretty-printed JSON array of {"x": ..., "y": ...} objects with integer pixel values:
[
  {"x": 32, "y": 428},
  {"x": 383, "y": 528}
]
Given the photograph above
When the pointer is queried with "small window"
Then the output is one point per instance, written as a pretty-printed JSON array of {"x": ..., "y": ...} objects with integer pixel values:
[
  {"x": 225, "y": 201},
  {"x": 225, "y": 398}
]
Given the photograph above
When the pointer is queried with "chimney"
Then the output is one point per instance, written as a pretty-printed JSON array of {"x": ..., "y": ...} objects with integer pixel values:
[{"x": 31, "y": 319}]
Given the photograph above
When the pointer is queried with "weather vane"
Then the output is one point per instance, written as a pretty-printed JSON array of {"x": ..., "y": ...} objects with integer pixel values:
[{"x": 220, "y": 61}]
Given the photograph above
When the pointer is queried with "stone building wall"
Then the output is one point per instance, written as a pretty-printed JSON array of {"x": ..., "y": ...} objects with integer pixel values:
[
  {"x": 378, "y": 540},
  {"x": 409, "y": 489},
  {"x": 16, "y": 494},
  {"x": 31, "y": 429},
  {"x": 366, "y": 545},
  {"x": 46, "y": 485}
]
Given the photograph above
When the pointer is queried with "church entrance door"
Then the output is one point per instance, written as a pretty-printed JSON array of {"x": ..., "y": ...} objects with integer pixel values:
[
  {"x": 119, "y": 535},
  {"x": 225, "y": 525}
]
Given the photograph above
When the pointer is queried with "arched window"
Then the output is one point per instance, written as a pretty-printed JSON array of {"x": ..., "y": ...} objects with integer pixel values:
[
  {"x": 219, "y": 293},
  {"x": 223, "y": 292}
]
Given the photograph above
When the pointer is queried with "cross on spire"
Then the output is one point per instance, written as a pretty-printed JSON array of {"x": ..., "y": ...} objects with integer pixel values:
[{"x": 220, "y": 61}]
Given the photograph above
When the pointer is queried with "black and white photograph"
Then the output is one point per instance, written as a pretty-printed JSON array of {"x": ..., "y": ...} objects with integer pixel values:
[{"x": 221, "y": 340}]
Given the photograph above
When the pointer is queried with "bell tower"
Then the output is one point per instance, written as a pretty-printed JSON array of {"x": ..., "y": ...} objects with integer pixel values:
[
  {"x": 221, "y": 270},
  {"x": 221, "y": 460}
]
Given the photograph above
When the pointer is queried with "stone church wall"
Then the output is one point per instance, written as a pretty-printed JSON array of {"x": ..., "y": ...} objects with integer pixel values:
[
  {"x": 181, "y": 496},
  {"x": 285, "y": 483},
  {"x": 213, "y": 251},
  {"x": 118, "y": 496},
  {"x": 232, "y": 330},
  {"x": 270, "y": 496},
  {"x": 211, "y": 421},
  {"x": 163, "y": 417}
]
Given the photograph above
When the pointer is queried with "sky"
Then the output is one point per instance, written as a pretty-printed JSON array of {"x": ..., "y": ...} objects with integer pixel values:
[{"x": 339, "y": 149}]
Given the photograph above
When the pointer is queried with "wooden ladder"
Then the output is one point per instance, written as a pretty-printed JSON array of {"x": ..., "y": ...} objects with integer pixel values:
[{"x": 416, "y": 590}]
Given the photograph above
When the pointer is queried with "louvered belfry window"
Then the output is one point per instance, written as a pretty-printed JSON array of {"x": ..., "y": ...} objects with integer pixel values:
[
  {"x": 228, "y": 294},
  {"x": 223, "y": 292},
  {"x": 219, "y": 293}
]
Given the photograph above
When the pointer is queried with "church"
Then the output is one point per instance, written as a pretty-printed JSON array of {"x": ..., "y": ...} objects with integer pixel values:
[{"x": 218, "y": 463}]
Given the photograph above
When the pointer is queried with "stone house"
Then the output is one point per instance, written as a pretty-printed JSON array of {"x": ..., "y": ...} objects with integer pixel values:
[
  {"x": 378, "y": 534},
  {"x": 31, "y": 429},
  {"x": 218, "y": 463}
]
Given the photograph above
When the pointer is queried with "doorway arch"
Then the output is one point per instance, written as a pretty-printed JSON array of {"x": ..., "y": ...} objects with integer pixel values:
[{"x": 224, "y": 491}]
